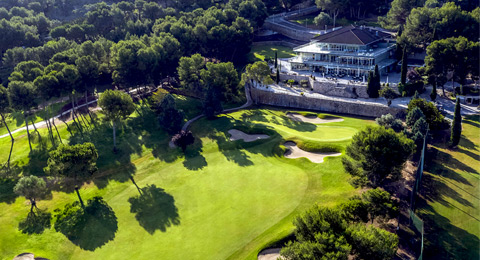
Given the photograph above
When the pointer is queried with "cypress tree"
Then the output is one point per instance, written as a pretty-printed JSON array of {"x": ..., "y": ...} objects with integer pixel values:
[
  {"x": 276, "y": 60},
  {"x": 373, "y": 83},
  {"x": 377, "y": 79},
  {"x": 433, "y": 95},
  {"x": 277, "y": 78},
  {"x": 403, "y": 78},
  {"x": 456, "y": 125},
  {"x": 370, "y": 84}
]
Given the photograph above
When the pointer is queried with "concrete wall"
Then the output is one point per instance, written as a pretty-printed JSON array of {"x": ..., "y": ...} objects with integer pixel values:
[{"x": 341, "y": 106}]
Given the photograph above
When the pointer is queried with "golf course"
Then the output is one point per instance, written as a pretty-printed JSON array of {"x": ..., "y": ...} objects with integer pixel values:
[{"x": 221, "y": 199}]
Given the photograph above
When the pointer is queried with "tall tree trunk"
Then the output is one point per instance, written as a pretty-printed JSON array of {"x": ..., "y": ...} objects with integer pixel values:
[
  {"x": 33, "y": 204},
  {"x": 36, "y": 130},
  {"x": 134, "y": 183},
  {"x": 88, "y": 110},
  {"x": 11, "y": 137},
  {"x": 79, "y": 198},
  {"x": 79, "y": 112},
  {"x": 56, "y": 129},
  {"x": 28, "y": 133},
  {"x": 73, "y": 114},
  {"x": 114, "y": 137},
  {"x": 49, "y": 127}
]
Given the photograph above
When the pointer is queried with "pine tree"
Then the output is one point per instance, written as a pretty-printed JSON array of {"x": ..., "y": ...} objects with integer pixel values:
[
  {"x": 373, "y": 83},
  {"x": 403, "y": 78},
  {"x": 370, "y": 84},
  {"x": 456, "y": 125}
]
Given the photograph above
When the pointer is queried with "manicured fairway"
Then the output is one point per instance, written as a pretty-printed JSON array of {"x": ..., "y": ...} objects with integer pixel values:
[
  {"x": 230, "y": 199},
  {"x": 451, "y": 188}
]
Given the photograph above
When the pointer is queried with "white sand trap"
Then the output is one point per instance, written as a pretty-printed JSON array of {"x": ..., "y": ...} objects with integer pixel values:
[
  {"x": 313, "y": 120},
  {"x": 270, "y": 254},
  {"x": 295, "y": 152},
  {"x": 239, "y": 135}
]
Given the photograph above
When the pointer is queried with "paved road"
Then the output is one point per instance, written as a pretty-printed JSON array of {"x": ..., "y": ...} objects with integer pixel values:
[{"x": 282, "y": 20}]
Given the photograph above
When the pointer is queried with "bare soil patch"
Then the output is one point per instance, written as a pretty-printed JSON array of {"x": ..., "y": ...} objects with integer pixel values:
[{"x": 295, "y": 152}]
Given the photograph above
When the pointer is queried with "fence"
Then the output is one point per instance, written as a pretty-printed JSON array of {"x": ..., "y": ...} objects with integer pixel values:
[{"x": 414, "y": 219}]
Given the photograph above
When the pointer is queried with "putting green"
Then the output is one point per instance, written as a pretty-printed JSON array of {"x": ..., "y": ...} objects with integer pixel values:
[{"x": 232, "y": 198}]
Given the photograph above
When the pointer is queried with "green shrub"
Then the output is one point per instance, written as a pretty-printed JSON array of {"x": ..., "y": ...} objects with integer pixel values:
[{"x": 434, "y": 118}]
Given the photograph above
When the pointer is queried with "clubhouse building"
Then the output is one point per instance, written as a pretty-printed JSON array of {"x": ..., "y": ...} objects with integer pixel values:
[{"x": 347, "y": 51}]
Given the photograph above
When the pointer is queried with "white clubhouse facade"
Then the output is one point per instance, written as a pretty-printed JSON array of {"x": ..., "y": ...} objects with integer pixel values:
[{"x": 350, "y": 51}]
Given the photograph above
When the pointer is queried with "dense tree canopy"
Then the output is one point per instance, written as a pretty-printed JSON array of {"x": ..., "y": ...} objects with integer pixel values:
[
  {"x": 425, "y": 25},
  {"x": 375, "y": 154},
  {"x": 78, "y": 162}
]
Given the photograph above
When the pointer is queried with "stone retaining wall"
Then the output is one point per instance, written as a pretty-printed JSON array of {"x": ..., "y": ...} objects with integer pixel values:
[
  {"x": 331, "y": 88},
  {"x": 289, "y": 32},
  {"x": 326, "y": 104}
]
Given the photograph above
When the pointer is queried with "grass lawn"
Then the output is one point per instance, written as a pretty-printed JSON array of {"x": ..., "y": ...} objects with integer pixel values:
[
  {"x": 221, "y": 200},
  {"x": 451, "y": 205},
  {"x": 261, "y": 53}
]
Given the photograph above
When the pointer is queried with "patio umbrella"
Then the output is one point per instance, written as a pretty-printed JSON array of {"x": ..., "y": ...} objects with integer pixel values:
[{"x": 387, "y": 78}]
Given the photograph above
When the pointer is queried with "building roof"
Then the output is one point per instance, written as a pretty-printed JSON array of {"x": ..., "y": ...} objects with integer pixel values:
[{"x": 351, "y": 35}]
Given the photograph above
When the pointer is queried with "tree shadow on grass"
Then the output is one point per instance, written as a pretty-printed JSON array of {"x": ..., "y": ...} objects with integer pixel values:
[
  {"x": 433, "y": 189},
  {"x": 472, "y": 120},
  {"x": 232, "y": 150},
  {"x": 37, "y": 161},
  {"x": 6, "y": 190},
  {"x": 88, "y": 228},
  {"x": 465, "y": 142},
  {"x": 440, "y": 166},
  {"x": 36, "y": 222},
  {"x": 253, "y": 115},
  {"x": 194, "y": 160},
  {"x": 444, "y": 240},
  {"x": 154, "y": 209},
  {"x": 152, "y": 136}
]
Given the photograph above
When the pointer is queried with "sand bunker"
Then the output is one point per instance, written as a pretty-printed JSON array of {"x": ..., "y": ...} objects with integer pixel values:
[
  {"x": 270, "y": 254},
  {"x": 239, "y": 135},
  {"x": 295, "y": 152},
  {"x": 313, "y": 120}
]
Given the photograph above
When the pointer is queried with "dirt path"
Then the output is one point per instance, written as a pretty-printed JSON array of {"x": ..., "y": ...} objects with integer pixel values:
[
  {"x": 312, "y": 120},
  {"x": 295, "y": 152},
  {"x": 239, "y": 135}
]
